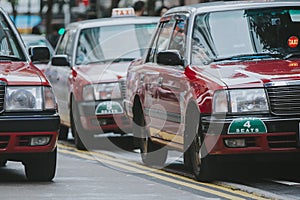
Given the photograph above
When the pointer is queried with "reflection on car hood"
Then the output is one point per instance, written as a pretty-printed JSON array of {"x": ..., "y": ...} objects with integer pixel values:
[
  {"x": 14, "y": 73},
  {"x": 103, "y": 72},
  {"x": 257, "y": 73}
]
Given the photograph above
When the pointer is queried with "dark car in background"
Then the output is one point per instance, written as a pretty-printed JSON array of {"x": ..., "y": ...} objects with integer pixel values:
[
  {"x": 88, "y": 73},
  {"x": 220, "y": 83}
]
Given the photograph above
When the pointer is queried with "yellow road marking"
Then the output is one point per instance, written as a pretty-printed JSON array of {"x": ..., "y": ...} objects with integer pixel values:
[{"x": 145, "y": 170}]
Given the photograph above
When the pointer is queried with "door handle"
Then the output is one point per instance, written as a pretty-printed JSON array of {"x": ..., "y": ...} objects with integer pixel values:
[
  {"x": 142, "y": 77},
  {"x": 160, "y": 81}
]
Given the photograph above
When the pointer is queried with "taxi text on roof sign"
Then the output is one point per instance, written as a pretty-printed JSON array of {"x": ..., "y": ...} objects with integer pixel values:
[{"x": 123, "y": 12}]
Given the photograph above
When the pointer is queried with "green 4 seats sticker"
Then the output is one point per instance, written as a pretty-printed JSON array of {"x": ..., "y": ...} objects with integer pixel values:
[
  {"x": 247, "y": 125},
  {"x": 109, "y": 107}
]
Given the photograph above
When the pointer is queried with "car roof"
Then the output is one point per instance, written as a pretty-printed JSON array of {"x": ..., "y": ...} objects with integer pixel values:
[
  {"x": 112, "y": 21},
  {"x": 232, "y": 5}
]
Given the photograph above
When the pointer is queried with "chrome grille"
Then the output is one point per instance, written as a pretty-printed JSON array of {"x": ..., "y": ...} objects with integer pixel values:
[
  {"x": 284, "y": 100},
  {"x": 123, "y": 87},
  {"x": 2, "y": 95}
]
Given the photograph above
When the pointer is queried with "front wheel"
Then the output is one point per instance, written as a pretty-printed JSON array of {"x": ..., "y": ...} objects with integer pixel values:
[
  {"x": 3, "y": 162},
  {"x": 42, "y": 167},
  {"x": 63, "y": 132},
  {"x": 152, "y": 154},
  {"x": 202, "y": 167},
  {"x": 195, "y": 157},
  {"x": 76, "y": 127}
]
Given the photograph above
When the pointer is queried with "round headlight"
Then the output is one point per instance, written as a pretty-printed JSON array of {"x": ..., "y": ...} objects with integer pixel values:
[{"x": 21, "y": 99}]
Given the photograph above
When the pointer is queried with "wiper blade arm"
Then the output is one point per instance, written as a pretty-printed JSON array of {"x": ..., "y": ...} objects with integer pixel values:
[
  {"x": 116, "y": 60},
  {"x": 250, "y": 57},
  {"x": 292, "y": 55},
  {"x": 11, "y": 58}
]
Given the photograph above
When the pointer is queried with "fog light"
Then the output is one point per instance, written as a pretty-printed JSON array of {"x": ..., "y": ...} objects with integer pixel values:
[
  {"x": 39, "y": 140},
  {"x": 235, "y": 143},
  {"x": 103, "y": 122}
]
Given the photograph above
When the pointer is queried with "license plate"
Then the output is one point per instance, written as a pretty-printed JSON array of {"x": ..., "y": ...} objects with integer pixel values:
[{"x": 109, "y": 107}]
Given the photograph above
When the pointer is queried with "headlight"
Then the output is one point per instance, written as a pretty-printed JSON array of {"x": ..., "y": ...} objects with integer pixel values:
[
  {"x": 220, "y": 102},
  {"x": 102, "y": 91},
  {"x": 18, "y": 98},
  {"x": 245, "y": 100},
  {"x": 248, "y": 100}
]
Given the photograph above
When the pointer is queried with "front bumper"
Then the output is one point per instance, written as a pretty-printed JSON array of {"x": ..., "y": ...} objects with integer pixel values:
[
  {"x": 94, "y": 122},
  {"x": 280, "y": 136},
  {"x": 16, "y": 133}
]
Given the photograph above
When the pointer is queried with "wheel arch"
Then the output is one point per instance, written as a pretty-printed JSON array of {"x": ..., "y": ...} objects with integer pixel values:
[
  {"x": 191, "y": 109},
  {"x": 138, "y": 111}
]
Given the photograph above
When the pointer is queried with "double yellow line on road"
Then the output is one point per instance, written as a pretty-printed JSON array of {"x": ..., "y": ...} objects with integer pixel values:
[{"x": 210, "y": 188}]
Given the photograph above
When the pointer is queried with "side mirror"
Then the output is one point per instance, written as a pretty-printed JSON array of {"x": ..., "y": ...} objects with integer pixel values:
[
  {"x": 60, "y": 60},
  {"x": 169, "y": 57},
  {"x": 39, "y": 54}
]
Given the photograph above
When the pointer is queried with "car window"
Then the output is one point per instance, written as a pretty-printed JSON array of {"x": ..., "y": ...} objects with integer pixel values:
[
  {"x": 107, "y": 43},
  {"x": 9, "y": 45},
  {"x": 162, "y": 39},
  {"x": 66, "y": 43},
  {"x": 179, "y": 36},
  {"x": 246, "y": 32}
]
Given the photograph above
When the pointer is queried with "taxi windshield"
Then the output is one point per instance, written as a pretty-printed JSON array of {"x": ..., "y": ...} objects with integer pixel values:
[
  {"x": 113, "y": 43},
  {"x": 268, "y": 33},
  {"x": 10, "y": 49}
]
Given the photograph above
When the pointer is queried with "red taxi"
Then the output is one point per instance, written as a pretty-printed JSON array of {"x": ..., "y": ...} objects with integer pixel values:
[
  {"x": 29, "y": 118},
  {"x": 220, "y": 82},
  {"x": 88, "y": 73}
]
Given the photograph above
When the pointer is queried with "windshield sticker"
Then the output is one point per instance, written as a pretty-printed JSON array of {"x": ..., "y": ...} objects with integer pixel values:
[
  {"x": 109, "y": 107},
  {"x": 293, "y": 41},
  {"x": 295, "y": 15},
  {"x": 247, "y": 126}
]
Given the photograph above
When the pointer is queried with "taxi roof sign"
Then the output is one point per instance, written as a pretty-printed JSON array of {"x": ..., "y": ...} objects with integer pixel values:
[{"x": 122, "y": 12}]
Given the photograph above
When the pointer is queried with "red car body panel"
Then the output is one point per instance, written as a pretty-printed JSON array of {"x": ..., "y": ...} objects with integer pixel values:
[{"x": 24, "y": 74}]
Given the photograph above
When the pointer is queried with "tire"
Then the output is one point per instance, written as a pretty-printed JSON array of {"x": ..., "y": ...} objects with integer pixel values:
[
  {"x": 63, "y": 132},
  {"x": 152, "y": 154},
  {"x": 76, "y": 126},
  {"x": 3, "y": 163},
  {"x": 41, "y": 168},
  {"x": 202, "y": 167}
]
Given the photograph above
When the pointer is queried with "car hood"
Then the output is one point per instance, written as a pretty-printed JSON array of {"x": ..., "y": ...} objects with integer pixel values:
[
  {"x": 258, "y": 73},
  {"x": 107, "y": 72},
  {"x": 16, "y": 73}
]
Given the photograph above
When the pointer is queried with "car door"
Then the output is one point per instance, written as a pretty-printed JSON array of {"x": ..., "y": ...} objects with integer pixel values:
[
  {"x": 59, "y": 76},
  {"x": 168, "y": 83}
]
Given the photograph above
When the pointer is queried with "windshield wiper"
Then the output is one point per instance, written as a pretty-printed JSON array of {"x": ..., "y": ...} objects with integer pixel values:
[
  {"x": 292, "y": 55},
  {"x": 116, "y": 60},
  {"x": 122, "y": 60},
  {"x": 245, "y": 57},
  {"x": 10, "y": 58}
]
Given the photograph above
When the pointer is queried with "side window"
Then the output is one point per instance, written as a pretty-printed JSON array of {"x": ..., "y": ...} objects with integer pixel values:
[
  {"x": 64, "y": 46},
  {"x": 201, "y": 48},
  {"x": 162, "y": 39},
  {"x": 179, "y": 37},
  {"x": 70, "y": 43}
]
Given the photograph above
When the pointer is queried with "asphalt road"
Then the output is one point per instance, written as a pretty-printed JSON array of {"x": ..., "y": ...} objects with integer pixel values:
[{"x": 116, "y": 174}]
